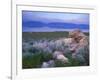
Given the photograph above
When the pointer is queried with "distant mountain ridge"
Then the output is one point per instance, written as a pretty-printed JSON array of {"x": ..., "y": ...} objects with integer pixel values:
[{"x": 59, "y": 25}]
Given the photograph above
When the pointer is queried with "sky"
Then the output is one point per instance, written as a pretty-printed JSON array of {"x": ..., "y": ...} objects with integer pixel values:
[{"x": 39, "y": 21}]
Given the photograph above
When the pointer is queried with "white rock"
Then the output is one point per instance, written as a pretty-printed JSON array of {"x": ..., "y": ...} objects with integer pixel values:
[
  {"x": 48, "y": 64},
  {"x": 56, "y": 53},
  {"x": 45, "y": 65},
  {"x": 51, "y": 63},
  {"x": 60, "y": 56}
]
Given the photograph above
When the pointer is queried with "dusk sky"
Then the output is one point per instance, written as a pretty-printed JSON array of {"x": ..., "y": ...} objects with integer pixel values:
[{"x": 35, "y": 21}]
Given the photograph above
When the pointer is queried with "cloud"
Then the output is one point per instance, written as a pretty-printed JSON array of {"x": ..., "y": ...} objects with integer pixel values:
[{"x": 48, "y": 17}]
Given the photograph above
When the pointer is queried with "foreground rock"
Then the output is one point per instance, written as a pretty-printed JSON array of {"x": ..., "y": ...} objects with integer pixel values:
[
  {"x": 60, "y": 56},
  {"x": 48, "y": 64}
]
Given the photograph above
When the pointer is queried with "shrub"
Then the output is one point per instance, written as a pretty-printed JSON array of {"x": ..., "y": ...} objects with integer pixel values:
[{"x": 36, "y": 60}]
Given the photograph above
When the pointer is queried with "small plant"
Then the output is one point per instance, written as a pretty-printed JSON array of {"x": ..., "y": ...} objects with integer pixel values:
[
  {"x": 33, "y": 61},
  {"x": 36, "y": 60}
]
